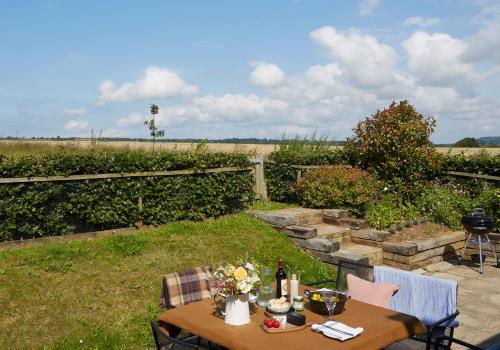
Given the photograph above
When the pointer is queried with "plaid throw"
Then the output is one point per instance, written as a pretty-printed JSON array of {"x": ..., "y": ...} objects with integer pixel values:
[{"x": 187, "y": 286}]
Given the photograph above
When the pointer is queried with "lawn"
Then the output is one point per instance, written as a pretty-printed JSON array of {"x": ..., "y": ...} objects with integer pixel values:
[{"x": 100, "y": 293}]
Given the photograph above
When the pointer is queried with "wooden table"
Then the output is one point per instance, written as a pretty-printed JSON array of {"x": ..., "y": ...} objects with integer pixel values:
[{"x": 381, "y": 328}]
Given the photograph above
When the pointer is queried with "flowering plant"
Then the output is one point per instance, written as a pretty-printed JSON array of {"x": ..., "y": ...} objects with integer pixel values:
[{"x": 240, "y": 278}]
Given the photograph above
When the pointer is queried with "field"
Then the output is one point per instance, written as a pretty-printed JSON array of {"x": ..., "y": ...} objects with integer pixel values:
[
  {"x": 30, "y": 146},
  {"x": 101, "y": 293}
]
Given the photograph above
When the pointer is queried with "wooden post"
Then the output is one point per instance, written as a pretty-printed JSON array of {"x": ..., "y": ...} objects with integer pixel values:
[
  {"x": 260, "y": 186},
  {"x": 139, "y": 205},
  {"x": 299, "y": 175}
]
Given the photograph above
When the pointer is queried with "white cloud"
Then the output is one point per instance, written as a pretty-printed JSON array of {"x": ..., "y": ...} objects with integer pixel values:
[
  {"x": 76, "y": 125},
  {"x": 367, "y": 7},
  {"x": 131, "y": 120},
  {"x": 362, "y": 75},
  {"x": 76, "y": 111},
  {"x": 266, "y": 74},
  {"x": 156, "y": 83},
  {"x": 229, "y": 108},
  {"x": 435, "y": 60},
  {"x": 484, "y": 46},
  {"x": 420, "y": 21},
  {"x": 369, "y": 62}
]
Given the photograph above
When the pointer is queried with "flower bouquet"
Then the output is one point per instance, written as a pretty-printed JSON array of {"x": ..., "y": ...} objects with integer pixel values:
[
  {"x": 234, "y": 282},
  {"x": 240, "y": 278}
]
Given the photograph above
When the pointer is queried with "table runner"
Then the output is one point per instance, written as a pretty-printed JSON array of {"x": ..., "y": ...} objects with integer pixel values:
[{"x": 381, "y": 328}]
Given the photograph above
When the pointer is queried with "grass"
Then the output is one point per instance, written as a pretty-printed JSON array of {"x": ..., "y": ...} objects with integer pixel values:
[
  {"x": 30, "y": 147},
  {"x": 100, "y": 293},
  {"x": 268, "y": 206}
]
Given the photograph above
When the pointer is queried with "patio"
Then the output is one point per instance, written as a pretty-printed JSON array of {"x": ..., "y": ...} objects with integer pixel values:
[{"x": 478, "y": 300}]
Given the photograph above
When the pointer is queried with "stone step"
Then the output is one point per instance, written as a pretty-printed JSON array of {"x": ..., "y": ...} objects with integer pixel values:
[
  {"x": 289, "y": 216},
  {"x": 374, "y": 255},
  {"x": 318, "y": 244},
  {"x": 369, "y": 236},
  {"x": 335, "y": 213},
  {"x": 355, "y": 224},
  {"x": 340, "y": 233},
  {"x": 296, "y": 231}
]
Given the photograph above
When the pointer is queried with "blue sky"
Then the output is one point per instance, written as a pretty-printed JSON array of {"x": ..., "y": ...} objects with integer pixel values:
[{"x": 246, "y": 68}]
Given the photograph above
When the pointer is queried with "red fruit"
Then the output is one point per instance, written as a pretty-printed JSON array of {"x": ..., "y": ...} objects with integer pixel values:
[
  {"x": 268, "y": 323},
  {"x": 276, "y": 324}
]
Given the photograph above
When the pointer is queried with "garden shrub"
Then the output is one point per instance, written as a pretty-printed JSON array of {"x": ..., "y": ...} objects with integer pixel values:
[
  {"x": 384, "y": 213},
  {"x": 489, "y": 200},
  {"x": 30, "y": 210},
  {"x": 281, "y": 177},
  {"x": 444, "y": 206},
  {"x": 389, "y": 210},
  {"x": 337, "y": 187},
  {"x": 395, "y": 145}
]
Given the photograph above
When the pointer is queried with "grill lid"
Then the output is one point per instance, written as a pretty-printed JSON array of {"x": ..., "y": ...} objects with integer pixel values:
[{"x": 478, "y": 219}]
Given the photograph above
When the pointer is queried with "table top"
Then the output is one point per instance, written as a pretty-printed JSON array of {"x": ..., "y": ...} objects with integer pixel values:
[{"x": 381, "y": 328}]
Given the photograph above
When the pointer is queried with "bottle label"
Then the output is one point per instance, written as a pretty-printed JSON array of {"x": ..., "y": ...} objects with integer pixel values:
[{"x": 284, "y": 287}]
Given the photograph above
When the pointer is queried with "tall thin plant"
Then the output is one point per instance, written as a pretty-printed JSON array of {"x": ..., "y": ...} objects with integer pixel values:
[{"x": 153, "y": 130}]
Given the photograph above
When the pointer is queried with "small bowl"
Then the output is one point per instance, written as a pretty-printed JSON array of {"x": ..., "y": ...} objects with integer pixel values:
[{"x": 279, "y": 310}]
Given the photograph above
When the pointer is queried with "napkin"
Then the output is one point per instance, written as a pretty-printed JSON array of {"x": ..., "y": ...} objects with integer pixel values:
[{"x": 337, "y": 330}]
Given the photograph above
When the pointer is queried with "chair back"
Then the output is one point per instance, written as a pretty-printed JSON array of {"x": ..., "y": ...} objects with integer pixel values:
[
  {"x": 362, "y": 271},
  {"x": 181, "y": 288},
  {"x": 428, "y": 298},
  {"x": 165, "y": 342}
]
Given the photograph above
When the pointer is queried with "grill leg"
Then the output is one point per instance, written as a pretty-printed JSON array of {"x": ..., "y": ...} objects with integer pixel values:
[
  {"x": 461, "y": 257},
  {"x": 480, "y": 253},
  {"x": 492, "y": 246}
]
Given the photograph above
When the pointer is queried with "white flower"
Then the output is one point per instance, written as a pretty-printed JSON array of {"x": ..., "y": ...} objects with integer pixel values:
[
  {"x": 250, "y": 266},
  {"x": 81, "y": 341},
  {"x": 385, "y": 188},
  {"x": 244, "y": 287},
  {"x": 253, "y": 279}
]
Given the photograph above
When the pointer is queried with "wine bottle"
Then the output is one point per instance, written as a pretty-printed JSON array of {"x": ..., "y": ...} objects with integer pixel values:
[{"x": 281, "y": 282}]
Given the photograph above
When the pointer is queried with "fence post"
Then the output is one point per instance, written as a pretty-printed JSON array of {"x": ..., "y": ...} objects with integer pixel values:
[
  {"x": 139, "y": 205},
  {"x": 260, "y": 185},
  {"x": 299, "y": 175}
]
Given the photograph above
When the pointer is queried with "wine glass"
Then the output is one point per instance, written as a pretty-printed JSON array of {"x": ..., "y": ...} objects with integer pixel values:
[{"x": 331, "y": 298}]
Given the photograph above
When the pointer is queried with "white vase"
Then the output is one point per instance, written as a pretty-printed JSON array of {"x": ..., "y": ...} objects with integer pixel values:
[{"x": 237, "y": 311}]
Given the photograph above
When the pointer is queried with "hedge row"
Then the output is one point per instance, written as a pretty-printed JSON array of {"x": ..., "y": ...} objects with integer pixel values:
[
  {"x": 481, "y": 163},
  {"x": 281, "y": 178},
  {"x": 45, "y": 209}
]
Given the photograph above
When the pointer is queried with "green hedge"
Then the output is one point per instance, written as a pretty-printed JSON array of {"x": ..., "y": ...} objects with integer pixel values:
[
  {"x": 281, "y": 177},
  {"x": 481, "y": 163},
  {"x": 44, "y": 209}
]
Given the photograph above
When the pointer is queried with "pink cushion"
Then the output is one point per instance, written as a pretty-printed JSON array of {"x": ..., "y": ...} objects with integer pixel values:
[{"x": 378, "y": 294}]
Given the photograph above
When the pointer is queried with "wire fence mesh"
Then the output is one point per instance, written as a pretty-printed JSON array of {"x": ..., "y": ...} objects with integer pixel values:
[{"x": 37, "y": 209}]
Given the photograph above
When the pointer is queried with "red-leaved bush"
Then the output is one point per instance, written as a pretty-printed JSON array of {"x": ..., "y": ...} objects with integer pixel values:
[{"x": 394, "y": 144}]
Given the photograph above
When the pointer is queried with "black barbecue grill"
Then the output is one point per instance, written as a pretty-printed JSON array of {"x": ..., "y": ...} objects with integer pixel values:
[{"x": 479, "y": 225}]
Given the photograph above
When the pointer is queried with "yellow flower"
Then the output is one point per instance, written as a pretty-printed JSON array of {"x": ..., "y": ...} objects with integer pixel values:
[
  {"x": 229, "y": 270},
  {"x": 240, "y": 274}
]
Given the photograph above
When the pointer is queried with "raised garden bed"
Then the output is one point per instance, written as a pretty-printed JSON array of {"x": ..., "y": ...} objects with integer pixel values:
[
  {"x": 415, "y": 246},
  {"x": 415, "y": 253}
]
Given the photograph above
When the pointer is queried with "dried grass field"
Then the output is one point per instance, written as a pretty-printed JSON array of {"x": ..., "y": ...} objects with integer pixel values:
[{"x": 42, "y": 146}]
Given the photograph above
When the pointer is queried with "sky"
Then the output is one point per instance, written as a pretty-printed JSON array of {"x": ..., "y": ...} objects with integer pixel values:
[{"x": 261, "y": 68}]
